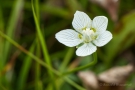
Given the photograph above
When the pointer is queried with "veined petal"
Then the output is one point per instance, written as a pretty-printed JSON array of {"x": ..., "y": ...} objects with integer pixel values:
[
  {"x": 86, "y": 49},
  {"x": 103, "y": 39},
  {"x": 99, "y": 23},
  {"x": 81, "y": 20},
  {"x": 68, "y": 37}
]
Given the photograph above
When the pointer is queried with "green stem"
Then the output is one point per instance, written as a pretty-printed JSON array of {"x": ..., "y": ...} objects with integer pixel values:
[
  {"x": 43, "y": 44},
  {"x": 29, "y": 54},
  {"x": 2, "y": 87},
  {"x": 1, "y": 43},
  {"x": 38, "y": 69},
  {"x": 37, "y": 10},
  {"x": 83, "y": 67},
  {"x": 22, "y": 78},
  {"x": 73, "y": 84},
  {"x": 10, "y": 28},
  {"x": 41, "y": 38},
  {"x": 67, "y": 58}
]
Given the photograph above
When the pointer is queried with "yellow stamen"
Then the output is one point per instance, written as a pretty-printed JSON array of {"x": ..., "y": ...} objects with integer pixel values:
[
  {"x": 80, "y": 36},
  {"x": 84, "y": 28},
  {"x": 93, "y": 29}
]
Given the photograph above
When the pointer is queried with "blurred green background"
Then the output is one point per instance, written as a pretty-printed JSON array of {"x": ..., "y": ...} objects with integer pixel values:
[{"x": 36, "y": 36}]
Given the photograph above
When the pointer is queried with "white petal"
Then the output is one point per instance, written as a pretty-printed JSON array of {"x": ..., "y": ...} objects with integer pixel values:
[
  {"x": 81, "y": 20},
  {"x": 103, "y": 39},
  {"x": 86, "y": 49},
  {"x": 100, "y": 23},
  {"x": 68, "y": 37}
]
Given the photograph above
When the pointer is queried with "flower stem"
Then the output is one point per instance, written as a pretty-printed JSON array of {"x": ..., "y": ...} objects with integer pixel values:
[
  {"x": 67, "y": 58},
  {"x": 83, "y": 67},
  {"x": 73, "y": 84}
]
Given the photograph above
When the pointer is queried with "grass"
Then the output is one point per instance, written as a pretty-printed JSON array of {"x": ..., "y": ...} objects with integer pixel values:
[{"x": 29, "y": 26}]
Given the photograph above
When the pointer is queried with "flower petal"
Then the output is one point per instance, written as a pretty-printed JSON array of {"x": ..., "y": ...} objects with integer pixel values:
[
  {"x": 86, "y": 49},
  {"x": 81, "y": 20},
  {"x": 103, "y": 39},
  {"x": 68, "y": 37},
  {"x": 99, "y": 23}
]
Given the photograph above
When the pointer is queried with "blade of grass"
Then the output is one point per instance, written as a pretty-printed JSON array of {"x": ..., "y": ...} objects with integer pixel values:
[
  {"x": 17, "y": 8},
  {"x": 73, "y": 84},
  {"x": 25, "y": 69},
  {"x": 38, "y": 83},
  {"x": 48, "y": 8},
  {"x": 1, "y": 40},
  {"x": 61, "y": 80},
  {"x": 43, "y": 44},
  {"x": 37, "y": 10},
  {"x": 29, "y": 53},
  {"x": 1, "y": 20},
  {"x": 1, "y": 44}
]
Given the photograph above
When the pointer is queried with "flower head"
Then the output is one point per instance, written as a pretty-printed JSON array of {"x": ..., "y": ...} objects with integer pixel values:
[{"x": 87, "y": 34}]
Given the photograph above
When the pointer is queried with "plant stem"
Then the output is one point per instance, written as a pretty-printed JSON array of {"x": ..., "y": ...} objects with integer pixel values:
[
  {"x": 43, "y": 44},
  {"x": 82, "y": 67},
  {"x": 38, "y": 83},
  {"x": 13, "y": 20},
  {"x": 25, "y": 69},
  {"x": 67, "y": 58},
  {"x": 73, "y": 84}
]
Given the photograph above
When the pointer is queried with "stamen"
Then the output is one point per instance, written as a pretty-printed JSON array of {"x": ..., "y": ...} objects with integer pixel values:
[
  {"x": 88, "y": 35},
  {"x": 80, "y": 36},
  {"x": 84, "y": 28},
  {"x": 93, "y": 29}
]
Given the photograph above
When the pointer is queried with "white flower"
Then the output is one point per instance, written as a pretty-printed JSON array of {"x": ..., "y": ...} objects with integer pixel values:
[{"x": 87, "y": 34}]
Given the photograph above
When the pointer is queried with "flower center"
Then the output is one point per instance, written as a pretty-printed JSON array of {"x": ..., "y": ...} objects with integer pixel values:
[{"x": 88, "y": 35}]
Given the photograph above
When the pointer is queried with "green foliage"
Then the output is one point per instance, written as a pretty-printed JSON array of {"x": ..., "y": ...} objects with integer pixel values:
[{"x": 45, "y": 64}]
